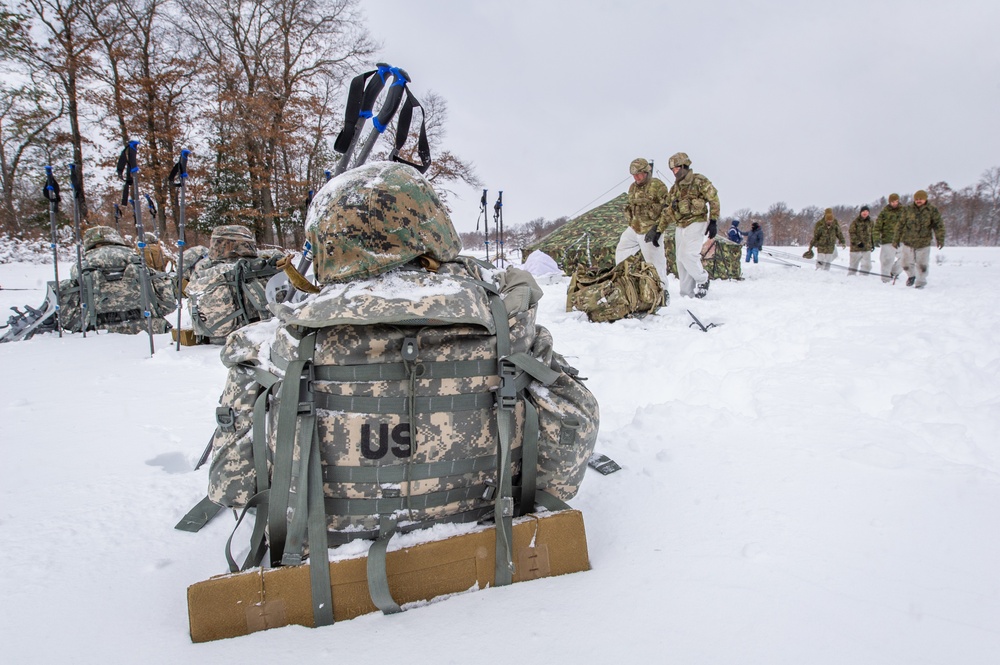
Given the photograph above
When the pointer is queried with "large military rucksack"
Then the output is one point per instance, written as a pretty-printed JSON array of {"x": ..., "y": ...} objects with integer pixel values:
[
  {"x": 111, "y": 284},
  {"x": 415, "y": 389},
  {"x": 226, "y": 290},
  {"x": 630, "y": 288}
]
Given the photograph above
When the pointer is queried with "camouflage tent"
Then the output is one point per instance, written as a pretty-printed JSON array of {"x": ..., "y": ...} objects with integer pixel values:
[{"x": 590, "y": 240}]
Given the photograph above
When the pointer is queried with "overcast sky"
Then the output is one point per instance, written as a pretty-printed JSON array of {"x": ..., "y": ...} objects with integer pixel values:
[{"x": 802, "y": 102}]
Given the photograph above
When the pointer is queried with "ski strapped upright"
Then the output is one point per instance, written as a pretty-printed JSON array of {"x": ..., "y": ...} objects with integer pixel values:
[
  {"x": 128, "y": 173},
  {"x": 77, "y": 187},
  {"x": 51, "y": 191},
  {"x": 178, "y": 178}
]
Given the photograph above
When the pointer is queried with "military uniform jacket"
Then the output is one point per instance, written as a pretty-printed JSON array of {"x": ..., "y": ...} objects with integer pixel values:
[
  {"x": 917, "y": 226},
  {"x": 884, "y": 229},
  {"x": 692, "y": 199},
  {"x": 826, "y": 236},
  {"x": 860, "y": 232},
  {"x": 646, "y": 205}
]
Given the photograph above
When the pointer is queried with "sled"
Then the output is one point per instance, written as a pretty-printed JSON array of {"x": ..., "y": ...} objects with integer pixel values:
[{"x": 545, "y": 545}]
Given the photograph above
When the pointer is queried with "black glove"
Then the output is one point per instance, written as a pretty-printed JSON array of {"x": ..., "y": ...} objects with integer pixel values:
[
  {"x": 653, "y": 236},
  {"x": 713, "y": 228}
]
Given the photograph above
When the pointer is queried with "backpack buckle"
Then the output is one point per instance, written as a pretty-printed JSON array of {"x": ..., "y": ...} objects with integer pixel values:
[
  {"x": 507, "y": 399},
  {"x": 226, "y": 418}
]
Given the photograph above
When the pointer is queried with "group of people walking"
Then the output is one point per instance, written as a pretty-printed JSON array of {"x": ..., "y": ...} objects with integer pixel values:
[{"x": 902, "y": 234}]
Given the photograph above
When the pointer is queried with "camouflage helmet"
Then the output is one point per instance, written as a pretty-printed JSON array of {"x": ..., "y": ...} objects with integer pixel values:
[
  {"x": 679, "y": 159},
  {"x": 232, "y": 241},
  {"x": 639, "y": 165},
  {"x": 96, "y": 236},
  {"x": 150, "y": 238},
  {"x": 374, "y": 218}
]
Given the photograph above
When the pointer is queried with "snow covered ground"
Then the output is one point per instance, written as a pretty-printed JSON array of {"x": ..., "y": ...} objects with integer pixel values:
[{"x": 815, "y": 481}]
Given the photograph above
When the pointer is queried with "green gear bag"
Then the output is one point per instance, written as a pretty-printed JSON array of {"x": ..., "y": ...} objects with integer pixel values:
[{"x": 630, "y": 288}]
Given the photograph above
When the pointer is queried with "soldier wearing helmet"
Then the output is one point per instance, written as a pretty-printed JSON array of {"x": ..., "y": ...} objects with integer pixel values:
[
  {"x": 645, "y": 213},
  {"x": 693, "y": 206}
]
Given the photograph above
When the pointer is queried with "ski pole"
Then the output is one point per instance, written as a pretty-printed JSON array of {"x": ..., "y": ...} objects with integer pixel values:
[
  {"x": 363, "y": 92},
  {"x": 52, "y": 195},
  {"x": 178, "y": 177},
  {"x": 77, "y": 192},
  {"x": 128, "y": 170},
  {"x": 381, "y": 121},
  {"x": 486, "y": 224},
  {"x": 498, "y": 226}
]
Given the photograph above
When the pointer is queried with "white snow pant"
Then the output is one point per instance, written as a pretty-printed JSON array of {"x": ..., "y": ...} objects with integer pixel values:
[
  {"x": 690, "y": 271},
  {"x": 916, "y": 262},
  {"x": 823, "y": 261},
  {"x": 632, "y": 242},
  {"x": 862, "y": 260},
  {"x": 888, "y": 256}
]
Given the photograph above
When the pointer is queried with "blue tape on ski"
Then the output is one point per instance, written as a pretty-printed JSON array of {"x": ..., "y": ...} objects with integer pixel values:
[
  {"x": 180, "y": 243},
  {"x": 378, "y": 125},
  {"x": 140, "y": 245},
  {"x": 365, "y": 114}
]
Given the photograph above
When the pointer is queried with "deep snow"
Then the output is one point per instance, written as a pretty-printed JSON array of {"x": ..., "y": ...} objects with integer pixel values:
[{"x": 814, "y": 481}]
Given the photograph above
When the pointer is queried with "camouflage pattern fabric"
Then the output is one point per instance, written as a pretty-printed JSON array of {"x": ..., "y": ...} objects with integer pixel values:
[
  {"x": 361, "y": 331},
  {"x": 724, "y": 261},
  {"x": 826, "y": 235},
  {"x": 691, "y": 199},
  {"x": 884, "y": 229},
  {"x": 112, "y": 286},
  {"x": 646, "y": 207},
  {"x": 374, "y": 218},
  {"x": 232, "y": 241},
  {"x": 226, "y": 295},
  {"x": 918, "y": 225},
  {"x": 860, "y": 234},
  {"x": 101, "y": 235},
  {"x": 630, "y": 288}
]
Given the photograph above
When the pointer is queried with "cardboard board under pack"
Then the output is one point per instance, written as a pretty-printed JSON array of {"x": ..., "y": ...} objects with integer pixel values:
[
  {"x": 545, "y": 545},
  {"x": 188, "y": 338}
]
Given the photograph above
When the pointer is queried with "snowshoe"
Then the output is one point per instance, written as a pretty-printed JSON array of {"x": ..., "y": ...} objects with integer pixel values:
[{"x": 30, "y": 322}]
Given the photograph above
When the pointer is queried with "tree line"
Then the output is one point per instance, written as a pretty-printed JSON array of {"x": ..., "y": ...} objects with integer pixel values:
[{"x": 254, "y": 87}]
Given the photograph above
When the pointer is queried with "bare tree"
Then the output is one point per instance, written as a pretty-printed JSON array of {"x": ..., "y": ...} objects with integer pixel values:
[{"x": 266, "y": 58}]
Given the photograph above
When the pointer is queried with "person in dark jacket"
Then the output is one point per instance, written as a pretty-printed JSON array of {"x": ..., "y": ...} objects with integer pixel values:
[
  {"x": 734, "y": 233},
  {"x": 755, "y": 241}
]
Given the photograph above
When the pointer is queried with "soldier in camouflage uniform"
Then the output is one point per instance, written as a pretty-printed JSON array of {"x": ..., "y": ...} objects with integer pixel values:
[
  {"x": 883, "y": 233},
  {"x": 826, "y": 236},
  {"x": 693, "y": 207},
  {"x": 860, "y": 234},
  {"x": 920, "y": 222},
  {"x": 645, "y": 214}
]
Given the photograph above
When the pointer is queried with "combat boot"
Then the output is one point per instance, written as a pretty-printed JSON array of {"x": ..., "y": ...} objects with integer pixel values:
[
  {"x": 701, "y": 290},
  {"x": 911, "y": 280}
]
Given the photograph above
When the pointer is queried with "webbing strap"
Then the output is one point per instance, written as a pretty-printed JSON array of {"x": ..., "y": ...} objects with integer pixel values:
[
  {"x": 537, "y": 369},
  {"x": 378, "y": 579},
  {"x": 199, "y": 516},
  {"x": 529, "y": 458},
  {"x": 281, "y": 477},
  {"x": 401, "y": 405},
  {"x": 359, "y": 507},
  {"x": 504, "y": 506},
  {"x": 453, "y": 369},
  {"x": 259, "y": 499},
  {"x": 549, "y": 502},
  {"x": 395, "y": 473},
  {"x": 319, "y": 565},
  {"x": 258, "y": 542}
]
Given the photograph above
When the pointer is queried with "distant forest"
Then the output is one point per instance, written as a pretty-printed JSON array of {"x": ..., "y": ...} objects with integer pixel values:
[{"x": 971, "y": 218}]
